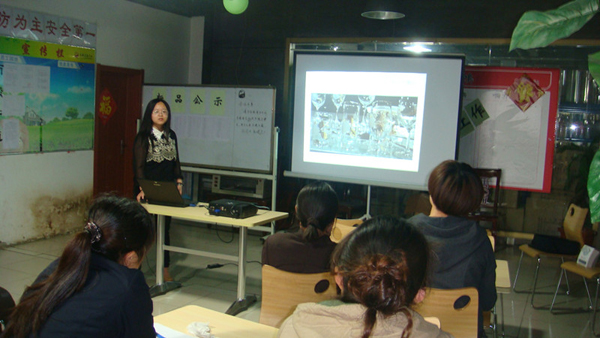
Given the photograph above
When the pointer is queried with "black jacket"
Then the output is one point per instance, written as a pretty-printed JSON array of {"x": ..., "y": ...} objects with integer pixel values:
[
  {"x": 115, "y": 302},
  {"x": 463, "y": 257}
]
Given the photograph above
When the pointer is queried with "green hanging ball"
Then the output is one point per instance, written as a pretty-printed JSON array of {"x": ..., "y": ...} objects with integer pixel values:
[{"x": 235, "y": 6}]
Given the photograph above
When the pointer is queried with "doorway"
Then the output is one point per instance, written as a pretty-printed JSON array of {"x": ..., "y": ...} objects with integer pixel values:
[{"x": 118, "y": 107}]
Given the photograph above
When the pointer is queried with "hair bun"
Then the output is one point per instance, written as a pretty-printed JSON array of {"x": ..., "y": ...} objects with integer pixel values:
[{"x": 376, "y": 284}]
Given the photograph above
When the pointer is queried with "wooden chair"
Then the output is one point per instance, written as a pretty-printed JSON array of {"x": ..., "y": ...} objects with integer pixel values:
[
  {"x": 488, "y": 210},
  {"x": 342, "y": 227},
  {"x": 491, "y": 238},
  {"x": 573, "y": 224},
  {"x": 417, "y": 204},
  {"x": 282, "y": 291},
  {"x": 459, "y": 322},
  {"x": 433, "y": 320},
  {"x": 585, "y": 273}
]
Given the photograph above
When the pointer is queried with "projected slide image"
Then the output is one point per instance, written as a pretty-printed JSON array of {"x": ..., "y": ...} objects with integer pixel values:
[
  {"x": 364, "y": 125},
  {"x": 374, "y": 118}
]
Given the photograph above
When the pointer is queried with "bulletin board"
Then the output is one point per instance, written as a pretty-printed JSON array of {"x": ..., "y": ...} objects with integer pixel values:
[
  {"x": 221, "y": 126},
  {"x": 508, "y": 122},
  {"x": 46, "y": 97}
]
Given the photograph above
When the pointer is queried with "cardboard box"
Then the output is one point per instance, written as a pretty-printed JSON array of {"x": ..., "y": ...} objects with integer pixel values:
[
  {"x": 509, "y": 198},
  {"x": 512, "y": 198},
  {"x": 559, "y": 169},
  {"x": 512, "y": 219},
  {"x": 545, "y": 213}
]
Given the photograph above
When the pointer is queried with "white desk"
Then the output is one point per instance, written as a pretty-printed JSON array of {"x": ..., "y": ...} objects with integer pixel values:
[
  {"x": 221, "y": 325},
  {"x": 200, "y": 214}
]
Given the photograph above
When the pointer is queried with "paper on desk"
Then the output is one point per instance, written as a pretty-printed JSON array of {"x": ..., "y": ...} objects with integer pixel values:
[{"x": 167, "y": 332}]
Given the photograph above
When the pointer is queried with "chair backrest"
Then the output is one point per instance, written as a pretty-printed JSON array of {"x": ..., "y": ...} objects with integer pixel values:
[
  {"x": 573, "y": 223},
  {"x": 282, "y": 291},
  {"x": 342, "y": 227},
  {"x": 490, "y": 178},
  {"x": 417, "y": 204},
  {"x": 492, "y": 239},
  {"x": 459, "y": 322}
]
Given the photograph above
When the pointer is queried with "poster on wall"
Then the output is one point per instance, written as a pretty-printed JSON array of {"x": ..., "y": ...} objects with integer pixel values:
[
  {"x": 508, "y": 122},
  {"x": 46, "y": 97}
]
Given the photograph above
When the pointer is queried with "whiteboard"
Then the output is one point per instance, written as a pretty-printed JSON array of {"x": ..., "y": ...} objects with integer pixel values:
[{"x": 221, "y": 127}]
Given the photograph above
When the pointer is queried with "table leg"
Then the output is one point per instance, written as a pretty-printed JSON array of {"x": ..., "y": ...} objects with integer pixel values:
[
  {"x": 502, "y": 312},
  {"x": 494, "y": 322},
  {"x": 160, "y": 254},
  {"x": 161, "y": 287},
  {"x": 595, "y": 308},
  {"x": 242, "y": 302}
]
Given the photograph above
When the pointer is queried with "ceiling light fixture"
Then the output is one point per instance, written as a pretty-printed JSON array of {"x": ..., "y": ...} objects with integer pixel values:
[
  {"x": 382, "y": 10},
  {"x": 235, "y": 6},
  {"x": 417, "y": 48}
]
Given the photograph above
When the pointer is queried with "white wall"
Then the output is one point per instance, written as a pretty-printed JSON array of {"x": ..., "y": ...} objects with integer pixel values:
[{"x": 46, "y": 194}]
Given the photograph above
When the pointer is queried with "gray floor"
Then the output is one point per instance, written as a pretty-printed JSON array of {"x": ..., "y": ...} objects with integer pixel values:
[{"x": 216, "y": 288}]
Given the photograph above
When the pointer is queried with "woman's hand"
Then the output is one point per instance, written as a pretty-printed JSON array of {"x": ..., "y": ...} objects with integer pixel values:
[
  {"x": 141, "y": 196},
  {"x": 180, "y": 186}
]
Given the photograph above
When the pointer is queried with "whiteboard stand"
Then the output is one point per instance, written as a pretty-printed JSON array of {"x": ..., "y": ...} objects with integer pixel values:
[{"x": 272, "y": 176}]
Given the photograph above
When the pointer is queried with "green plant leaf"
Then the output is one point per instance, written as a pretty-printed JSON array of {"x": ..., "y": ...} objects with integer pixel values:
[
  {"x": 594, "y": 66},
  {"x": 539, "y": 29},
  {"x": 593, "y": 186}
]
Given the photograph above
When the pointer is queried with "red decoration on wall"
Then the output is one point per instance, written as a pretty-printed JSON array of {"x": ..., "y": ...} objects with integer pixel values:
[
  {"x": 106, "y": 106},
  {"x": 524, "y": 92}
]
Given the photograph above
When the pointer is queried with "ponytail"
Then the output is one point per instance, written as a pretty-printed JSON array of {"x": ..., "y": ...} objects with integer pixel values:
[
  {"x": 316, "y": 206},
  {"x": 311, "y": 233},
  {"x": 39, "y": 300},
  {"x": 115, "y": 226},
  {"x": 370, "y": 318}
]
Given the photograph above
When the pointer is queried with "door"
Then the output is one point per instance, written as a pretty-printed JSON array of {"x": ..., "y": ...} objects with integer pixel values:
[{"x": 118, "y": 106}]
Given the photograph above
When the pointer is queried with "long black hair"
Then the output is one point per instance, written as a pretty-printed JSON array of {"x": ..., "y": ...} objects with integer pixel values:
[
  {"x": 317, "y": 206},
  {"x": 115, "y": 226},
  {"x": 146, "y": 125}
]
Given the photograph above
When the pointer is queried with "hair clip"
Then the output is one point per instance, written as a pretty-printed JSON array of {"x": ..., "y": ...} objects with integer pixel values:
[{"x": 94, "y": 231}]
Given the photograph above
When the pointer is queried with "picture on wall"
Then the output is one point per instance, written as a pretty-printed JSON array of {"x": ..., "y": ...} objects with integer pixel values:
[{"x": 46, "y": 97}]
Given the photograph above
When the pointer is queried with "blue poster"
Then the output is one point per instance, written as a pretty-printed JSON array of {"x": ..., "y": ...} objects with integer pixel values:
[{"x": 46, "y": 97}]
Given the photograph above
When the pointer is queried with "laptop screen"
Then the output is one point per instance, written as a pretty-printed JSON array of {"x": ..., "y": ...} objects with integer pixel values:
[{"x": 162, "y": 193}]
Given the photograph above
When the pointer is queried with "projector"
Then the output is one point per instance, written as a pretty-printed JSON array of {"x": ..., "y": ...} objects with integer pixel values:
[{"x": 231, "y": 208}]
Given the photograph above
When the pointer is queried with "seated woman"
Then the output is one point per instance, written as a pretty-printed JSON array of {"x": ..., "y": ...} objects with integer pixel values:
[
  {"x": 381, "y": 268},
  {"x": 309, "y": 250},
  {"x": 464, "y": 253},
  {"x": 95, "y": 288}
]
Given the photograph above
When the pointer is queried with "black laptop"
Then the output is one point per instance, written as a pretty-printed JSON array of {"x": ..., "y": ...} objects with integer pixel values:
[{"x": 162, "y": 193}]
